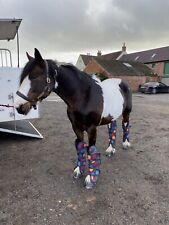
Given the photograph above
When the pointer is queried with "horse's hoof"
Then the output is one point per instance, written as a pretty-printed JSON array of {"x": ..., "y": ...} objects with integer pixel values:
[
  {"x": 90, "y": 181},
  {"x": 76, "y": 173},
  {"x": 110, "y": 154},
  {"x": 110, "y": 151},
  {"x": 126, "y": 145}
]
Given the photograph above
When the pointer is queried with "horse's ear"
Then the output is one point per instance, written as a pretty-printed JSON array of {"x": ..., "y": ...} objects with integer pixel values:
[
  {"x": 38, "y": 57},
  {"x": 28, "y": 56}
]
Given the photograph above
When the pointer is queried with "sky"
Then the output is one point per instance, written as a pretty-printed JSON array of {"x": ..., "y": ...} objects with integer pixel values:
[{"x": 63, "y": 29}]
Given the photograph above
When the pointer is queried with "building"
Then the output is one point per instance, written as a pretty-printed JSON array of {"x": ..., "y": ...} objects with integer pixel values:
[
  {"x": 135, "y": 73},
  {"x": 157, "y": 59},
  {"x": 83, "y": 60},
  {"x": 136, "y": 68}
]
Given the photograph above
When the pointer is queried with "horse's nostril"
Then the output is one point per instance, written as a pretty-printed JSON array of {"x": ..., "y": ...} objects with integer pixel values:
[{"x": 19, "y": 109}]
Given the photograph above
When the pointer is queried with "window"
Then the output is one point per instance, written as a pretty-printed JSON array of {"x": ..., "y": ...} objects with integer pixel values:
[
  {"x": 137, "y": 57},
  {"x": 166, "y": 68},
  {"x": 153, "y": 55},
  {"x": 153, "y": 65},
  {"x": 127, "y": 64}
]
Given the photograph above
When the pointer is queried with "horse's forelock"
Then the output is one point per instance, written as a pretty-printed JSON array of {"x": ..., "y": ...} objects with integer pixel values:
[
  {"x": 30, "y": 65},
  {"x": 27, "y": 69}
]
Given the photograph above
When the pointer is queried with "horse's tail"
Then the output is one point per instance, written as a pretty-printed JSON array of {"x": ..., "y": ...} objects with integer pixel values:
[{"x": 127, "y": 95}]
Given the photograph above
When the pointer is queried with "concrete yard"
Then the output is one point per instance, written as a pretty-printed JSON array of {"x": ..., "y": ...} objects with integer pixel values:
[{"x": 36, "y": 185}]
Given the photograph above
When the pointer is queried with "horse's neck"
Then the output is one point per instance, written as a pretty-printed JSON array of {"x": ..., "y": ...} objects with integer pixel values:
[{"x": 67, "y": 87}]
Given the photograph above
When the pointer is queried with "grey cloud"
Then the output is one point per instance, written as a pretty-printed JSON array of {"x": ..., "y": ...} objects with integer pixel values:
[{"x": 78, "y": 26}]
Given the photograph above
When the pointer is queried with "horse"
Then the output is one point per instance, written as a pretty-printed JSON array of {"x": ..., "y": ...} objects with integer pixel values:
[{"x": 90, "y": 103}]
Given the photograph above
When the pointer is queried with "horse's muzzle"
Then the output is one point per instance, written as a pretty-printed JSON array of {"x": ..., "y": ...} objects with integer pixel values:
[{"x": 24, "y": 108}]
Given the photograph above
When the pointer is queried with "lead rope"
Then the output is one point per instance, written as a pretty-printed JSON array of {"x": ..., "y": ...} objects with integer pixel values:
[{"x": 7, "y": 106}]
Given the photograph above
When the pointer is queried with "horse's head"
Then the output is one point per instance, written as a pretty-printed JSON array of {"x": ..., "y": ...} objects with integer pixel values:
[{"x": 35, "y": 83}]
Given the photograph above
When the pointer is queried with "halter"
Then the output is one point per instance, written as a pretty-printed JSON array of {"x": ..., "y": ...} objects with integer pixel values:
[{"x": 47, "y": 89}]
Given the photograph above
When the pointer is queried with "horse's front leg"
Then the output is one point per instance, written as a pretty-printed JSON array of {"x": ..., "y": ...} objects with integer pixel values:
[
  {"x": 81, "y": 148},
  {"x": 112, "y": 139},
  {"x": 94, "y": 159}
]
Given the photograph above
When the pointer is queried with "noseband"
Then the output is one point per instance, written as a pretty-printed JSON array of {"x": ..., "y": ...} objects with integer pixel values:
[{"x": 46, "y": 90}]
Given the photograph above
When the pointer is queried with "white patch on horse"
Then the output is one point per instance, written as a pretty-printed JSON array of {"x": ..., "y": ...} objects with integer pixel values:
[
  {"x": 24, "y": 89},
  {"x": 56, "y": 84},
  {"x": 77, "y": 172},
  {"x": 94, "y": 77},
  {"x": 126, "y": 144},
  {"x": 112, "y": 98},
  {"x": 110, "y": 150},
  {"x": 88, "y": 180}
]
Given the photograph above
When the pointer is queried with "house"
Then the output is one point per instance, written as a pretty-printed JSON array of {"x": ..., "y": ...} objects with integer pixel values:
[
  {"x": 115, "y": 55},
  {"x": 157, "y": 59},
  {"x": 135, "y": 73},
  {"x": 83, "y": 60}
]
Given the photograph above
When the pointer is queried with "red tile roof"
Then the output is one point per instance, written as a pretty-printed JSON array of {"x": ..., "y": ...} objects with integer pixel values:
[{"x": 148, "y": 56}]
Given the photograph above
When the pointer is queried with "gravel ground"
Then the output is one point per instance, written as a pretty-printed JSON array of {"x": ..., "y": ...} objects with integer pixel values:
[{"x": 36, "y": 185}]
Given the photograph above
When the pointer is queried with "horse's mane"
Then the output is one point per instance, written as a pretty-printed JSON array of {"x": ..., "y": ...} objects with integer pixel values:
[{"x": 77, "y": 72}]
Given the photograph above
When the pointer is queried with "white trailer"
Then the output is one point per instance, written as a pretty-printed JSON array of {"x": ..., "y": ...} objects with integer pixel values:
[{"x": 10, "y": 120}]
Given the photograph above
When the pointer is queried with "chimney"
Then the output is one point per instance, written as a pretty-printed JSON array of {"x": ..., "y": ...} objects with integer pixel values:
[
  {"x": 99, "y": 53},
  {"x": 124, "y": 47}
]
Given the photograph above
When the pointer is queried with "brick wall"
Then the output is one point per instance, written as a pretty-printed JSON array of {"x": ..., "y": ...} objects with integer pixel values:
[
  {"x": 134, "y": 81},
  {"x": 158, "y": 68},
  {"x": 93, "y": 67}
]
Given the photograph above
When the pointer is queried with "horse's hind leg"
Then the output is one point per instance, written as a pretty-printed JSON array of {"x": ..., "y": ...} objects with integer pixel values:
[
  {"x": 126, "y": 129},
  {"x": 81, "y": 148},
  {"x": 94, "y": 159},
  {"x": 112, "y": 139}
]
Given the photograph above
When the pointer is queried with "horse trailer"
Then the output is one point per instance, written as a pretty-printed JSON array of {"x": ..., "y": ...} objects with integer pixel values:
[{"x": 10, "y": 120}]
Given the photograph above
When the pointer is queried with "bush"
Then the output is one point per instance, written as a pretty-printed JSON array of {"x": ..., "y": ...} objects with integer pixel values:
[{"x": 101, "y": 76}]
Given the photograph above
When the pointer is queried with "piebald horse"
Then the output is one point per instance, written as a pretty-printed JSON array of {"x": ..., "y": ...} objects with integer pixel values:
[{"x": 90, "y": 103}]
